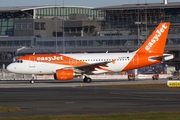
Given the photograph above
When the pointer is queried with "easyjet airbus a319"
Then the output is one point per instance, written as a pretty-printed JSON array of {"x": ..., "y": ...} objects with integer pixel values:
[{"x": 68, "y": 66}]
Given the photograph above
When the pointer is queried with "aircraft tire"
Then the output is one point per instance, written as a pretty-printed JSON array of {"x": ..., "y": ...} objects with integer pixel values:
[
  {"x": 87, "y": 80},
  {"x": 32, "y": 81}
]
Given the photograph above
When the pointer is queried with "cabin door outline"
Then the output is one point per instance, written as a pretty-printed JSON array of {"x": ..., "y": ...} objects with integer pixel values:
[{"x": 32, "y": 61}]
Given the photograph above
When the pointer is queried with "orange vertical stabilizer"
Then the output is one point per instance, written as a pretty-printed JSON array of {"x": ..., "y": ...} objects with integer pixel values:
[{"x": 157, "y": 40}]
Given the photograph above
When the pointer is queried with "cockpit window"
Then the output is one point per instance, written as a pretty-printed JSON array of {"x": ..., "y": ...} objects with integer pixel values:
[{"x": 18, "y": 61}]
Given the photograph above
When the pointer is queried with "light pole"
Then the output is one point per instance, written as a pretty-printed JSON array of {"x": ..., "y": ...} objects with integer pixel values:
[
  {"x": 56, "y": 24},
  {"x": 63, "y": 29},
  {"x": 138, "y": 23}
]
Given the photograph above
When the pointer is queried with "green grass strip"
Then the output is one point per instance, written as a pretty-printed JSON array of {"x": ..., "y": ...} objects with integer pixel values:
[
  {"x": 175, "y": 115},
  {"x": 9, "y": 109}
]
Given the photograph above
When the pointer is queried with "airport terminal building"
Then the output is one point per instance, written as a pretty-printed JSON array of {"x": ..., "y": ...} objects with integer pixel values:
[{"x": 74, "y": 29}]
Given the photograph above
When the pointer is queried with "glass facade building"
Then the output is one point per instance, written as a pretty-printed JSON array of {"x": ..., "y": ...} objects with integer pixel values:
[
  {"x": 116, "y": 28},
  {"x": 65, "y": 12},
  {"x": 146, "y": 17},
  {"x": 6, "y": 26},
  {"x": 9, "y": 15}
]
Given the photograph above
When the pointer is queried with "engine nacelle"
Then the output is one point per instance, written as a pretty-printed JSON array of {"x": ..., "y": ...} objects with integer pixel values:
[{"x": 64, "y": 75}]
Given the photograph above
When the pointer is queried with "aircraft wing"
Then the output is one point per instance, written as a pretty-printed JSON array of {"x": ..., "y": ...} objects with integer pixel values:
[{"x": 88, "y": 68}]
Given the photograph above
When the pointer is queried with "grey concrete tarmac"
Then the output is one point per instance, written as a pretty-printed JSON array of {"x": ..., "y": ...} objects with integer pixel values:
[
  {"x": 97, "y": 99},
  {"x": 75, "y": 83}
]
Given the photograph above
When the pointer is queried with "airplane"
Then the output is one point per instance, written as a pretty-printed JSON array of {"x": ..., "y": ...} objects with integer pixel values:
[{"x": 68, "y": 66}]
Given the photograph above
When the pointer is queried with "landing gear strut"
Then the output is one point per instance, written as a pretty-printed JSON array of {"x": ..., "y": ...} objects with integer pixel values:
[
  {"x": 87, "y": 79},
  {"x": 32, "y": 80}
]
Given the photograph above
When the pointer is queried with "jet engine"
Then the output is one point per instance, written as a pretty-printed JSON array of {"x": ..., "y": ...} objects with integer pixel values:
[{"x": 64, "y": 74}]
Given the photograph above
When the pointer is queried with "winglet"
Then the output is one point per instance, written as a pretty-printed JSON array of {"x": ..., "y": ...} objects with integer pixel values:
[{"x": 157, "y": 40}]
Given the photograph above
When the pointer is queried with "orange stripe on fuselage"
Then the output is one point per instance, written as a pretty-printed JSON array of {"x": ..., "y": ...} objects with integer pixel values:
[
  {"x": 54, "y": 59},
  {"x": 141, "y": 61}
]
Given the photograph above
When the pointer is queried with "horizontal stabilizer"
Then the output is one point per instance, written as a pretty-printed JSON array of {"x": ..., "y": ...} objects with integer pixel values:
[{"x": 165, "y": 57}]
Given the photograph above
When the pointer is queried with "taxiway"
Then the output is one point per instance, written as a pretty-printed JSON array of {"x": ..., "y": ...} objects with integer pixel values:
[
  {"x": 59, "y": 98},
  {"x": 74, "y": 83}
]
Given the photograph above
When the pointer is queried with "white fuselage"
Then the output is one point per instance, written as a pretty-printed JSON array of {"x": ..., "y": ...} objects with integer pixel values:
[{"x": 40, "y": 67}]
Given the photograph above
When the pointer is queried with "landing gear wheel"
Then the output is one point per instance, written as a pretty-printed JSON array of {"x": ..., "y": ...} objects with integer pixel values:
[
  {"x": 87, "y": 79},
  {"x": 32, "y": 81}
]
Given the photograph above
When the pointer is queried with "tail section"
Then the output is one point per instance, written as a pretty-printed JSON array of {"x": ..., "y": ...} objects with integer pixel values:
[
  {"x": 152, "y": 51},
  {"x": 157, "y": 40}
]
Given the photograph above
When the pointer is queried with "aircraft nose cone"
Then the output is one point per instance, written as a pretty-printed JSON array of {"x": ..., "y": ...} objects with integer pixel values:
[{"x": 10, "y": 68}]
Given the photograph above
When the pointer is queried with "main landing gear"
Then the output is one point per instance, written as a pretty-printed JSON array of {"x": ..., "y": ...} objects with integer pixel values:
[{"x": 87, "y": 79}]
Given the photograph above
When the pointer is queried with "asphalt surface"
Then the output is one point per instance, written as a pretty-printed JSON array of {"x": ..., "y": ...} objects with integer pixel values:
[
  {"x": 74, "y": 83},
  {"x": 95, "y": 99}
]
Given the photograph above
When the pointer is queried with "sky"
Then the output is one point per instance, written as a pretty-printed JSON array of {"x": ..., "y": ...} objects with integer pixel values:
[{"x": 87, "y": 3}]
